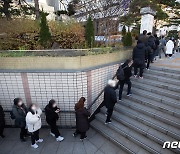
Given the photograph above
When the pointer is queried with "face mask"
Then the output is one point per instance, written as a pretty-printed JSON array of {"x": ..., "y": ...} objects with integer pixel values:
[
  {"x": 33, "y": 108},
  {"x": 20, "y": 103},
  {"x": 54, "y": 105}
]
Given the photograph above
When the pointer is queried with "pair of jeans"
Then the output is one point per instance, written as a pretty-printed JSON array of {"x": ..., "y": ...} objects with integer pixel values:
[
  {"x": 54, "y": 130},
  {"x": 83, "y": 134},
  {"x": 34, "y": 137},
  {"x": 23, "y": 132},
  {"x": 121, "y": 83},
  {"x": 109, "y": 114}
]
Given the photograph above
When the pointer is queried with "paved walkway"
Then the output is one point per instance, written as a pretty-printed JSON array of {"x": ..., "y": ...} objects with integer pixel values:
[
  {"x": 173, "y": 62},
  {"x": 94, "y": 144}
]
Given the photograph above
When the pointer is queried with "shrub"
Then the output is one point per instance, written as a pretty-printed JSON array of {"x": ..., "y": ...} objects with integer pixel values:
[
  {"x": 89, "y": 33},
  {"x": 68, "y": 35},
  {"x": 127, "y": 39},
  {"x": 44, "y": 34}
]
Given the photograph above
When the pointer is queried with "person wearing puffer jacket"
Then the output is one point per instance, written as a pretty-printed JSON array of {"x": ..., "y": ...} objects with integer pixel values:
[{"x": 33, "y": 121}]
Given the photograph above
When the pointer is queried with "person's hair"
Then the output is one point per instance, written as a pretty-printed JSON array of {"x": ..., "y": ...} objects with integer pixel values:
[
  {"x": 51, "y": 102},
  {"x": 162, "y": 36},
  {"x": 155, "y": 35},
  {"x": 30, "y": 109},
  {"x": 149, "y": 33},
  {"x": 145, "y": 32},
  {"x": 80, "y": 104},
  {"x": 17, "y": 100}
]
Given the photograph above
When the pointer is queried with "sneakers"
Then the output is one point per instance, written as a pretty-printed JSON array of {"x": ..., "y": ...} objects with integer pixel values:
[
  {"x": 141, "y": 77},
  {"x": 35, "y": 146},
  {"x": 108, "y": 122},
  {"x": 74, "y": 134},
  {"x": 39, "y": 141},
  {"x": 81, "y": 139},
  {"x": 59, "y": 139},
  {"x": 135, "y": 76},
  {"x": 129, "y": 94},
  {"x": 52, "y": 134}
]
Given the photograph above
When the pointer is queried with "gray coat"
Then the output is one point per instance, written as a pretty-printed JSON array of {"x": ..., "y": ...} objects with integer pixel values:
[{"x": 20, "y": 115}]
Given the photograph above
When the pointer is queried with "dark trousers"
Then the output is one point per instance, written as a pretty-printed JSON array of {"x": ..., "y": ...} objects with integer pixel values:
[
  {"x": 149, "y": 60},
  {"x": 121, "y": 83},
  {"x": 109, "y": 114},
  {"x": 83, "y": 134},
  {"x": 23, "y": 133},
  {"x": 141, "y": 67},
  {"x": 54, "y": 130},
  {"x": 34, "y": 137},
  {"x": 1, "y": 130}
]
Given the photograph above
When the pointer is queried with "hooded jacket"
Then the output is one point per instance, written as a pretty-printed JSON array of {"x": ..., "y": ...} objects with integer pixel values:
[
  {"x": 139, "y": 53},
  {"x": 33, "y": 120}
]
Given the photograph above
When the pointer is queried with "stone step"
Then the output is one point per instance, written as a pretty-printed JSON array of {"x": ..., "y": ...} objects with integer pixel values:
[
  {"x": 164, "y": 74},
  {"x": 163, "y": 69},
  {"x": 141, "y": 128},
  {"x": 166, "y": 118},
  {"x": 158, "y": 84},
  {"x": 127, "y": 145},
  {"x": 156, "y": 97},
  {"x": 132, "y": 136},
  {"x": 149, "y": 121},
  {"x": 159, "y": 91},
  {"x": 162, "y": 79},
  {"x": 154, "y": 104}
]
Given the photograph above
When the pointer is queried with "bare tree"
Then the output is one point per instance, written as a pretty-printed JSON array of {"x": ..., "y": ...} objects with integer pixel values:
[{"x": 37, "y": 12}]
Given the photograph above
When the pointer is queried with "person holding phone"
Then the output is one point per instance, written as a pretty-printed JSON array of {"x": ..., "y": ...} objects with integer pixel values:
[{"x": 51, "y": 111}]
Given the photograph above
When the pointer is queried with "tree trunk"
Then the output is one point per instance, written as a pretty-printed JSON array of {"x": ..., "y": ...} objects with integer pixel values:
[{"x": 37, "y": 12}]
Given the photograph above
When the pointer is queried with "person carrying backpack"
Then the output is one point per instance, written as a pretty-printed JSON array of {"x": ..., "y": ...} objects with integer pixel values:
[
  {"x": 2, "y": 122},
  {"x": 19, "y": 111},
  {"x": 123, "y": 75}
]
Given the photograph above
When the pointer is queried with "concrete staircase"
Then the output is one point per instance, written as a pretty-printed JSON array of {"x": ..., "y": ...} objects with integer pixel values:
[{"x": 143, "y": 122}]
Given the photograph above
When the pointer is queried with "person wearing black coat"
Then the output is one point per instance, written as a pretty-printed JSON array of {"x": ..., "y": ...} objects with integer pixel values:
[
  {"x": 138, "y": 56},
  {"x": 156, "y": 51},
  {"x": 127, "y": 67},
  {"x": 2, "y": 122},
  {"x": 110, "y": 99},
  {"x": 82, "y": 122},
  {"x": 51, "y": 111},
  {"x": 19, "y": 110}
]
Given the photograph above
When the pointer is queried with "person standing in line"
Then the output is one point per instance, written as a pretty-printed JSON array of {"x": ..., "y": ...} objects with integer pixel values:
[
  {"x": 138, "y": 56},
  {"x": 2, "y": 122},
  {"x": 156, "y": 52},
  {"x": 178, "y": 44},
  {"x": 143, "y": 37},
  {"x": 169, "y": 48},
  {"x": 82, "y": 122},
  {"x": 19, "y": 110},
  {"x": 110, "y": 99},
  {"x": 152, "y": 44},
  {"x": 127, "y": 69},
  {"x": 33, "y": 120},
  {"x": 162, "y": 46},
  {"x": 51, "y": 111}
]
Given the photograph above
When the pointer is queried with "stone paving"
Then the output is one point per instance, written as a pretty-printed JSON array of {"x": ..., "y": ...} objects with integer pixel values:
[
  {"x": 173, "y": 62},
  {"x": 94, "y": 144}
]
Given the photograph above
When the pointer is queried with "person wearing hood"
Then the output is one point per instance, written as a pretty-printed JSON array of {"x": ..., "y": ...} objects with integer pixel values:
[
  {"x": 169, "y": 47},
  {"x": 139, "y": 58},
  {"x": 2, "y": 122},
  {"x": 82, "y": 122},
  {"x": 51, "y": 111},
  {"x": 110, "y": 99},
  {"x": 19, "y": 111},
  {"x": 33, "y": 120}
]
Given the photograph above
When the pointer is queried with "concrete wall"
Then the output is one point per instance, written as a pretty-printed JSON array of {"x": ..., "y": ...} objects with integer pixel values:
[
  {"x": 82, "y": 62},
  {"x": 65, "y": 86}
]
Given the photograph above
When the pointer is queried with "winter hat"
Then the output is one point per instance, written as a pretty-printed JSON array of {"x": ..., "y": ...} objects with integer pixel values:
[{"x": 112, "y": 83}]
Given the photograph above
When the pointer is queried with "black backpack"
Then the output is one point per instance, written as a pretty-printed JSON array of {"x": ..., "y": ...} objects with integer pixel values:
[
  {"x": 12, "y": 115},
  {"x": 120, "y": 73}
]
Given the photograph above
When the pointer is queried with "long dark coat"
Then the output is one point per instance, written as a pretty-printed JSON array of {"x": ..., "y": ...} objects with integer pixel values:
[
  {"x": 20, "y": 115},
  {"x": 51, "y": 115},
  {"x": 2, "y": 116},
  {"x": 82, "y": 123},
  {"x": 110, "y": 97}
]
